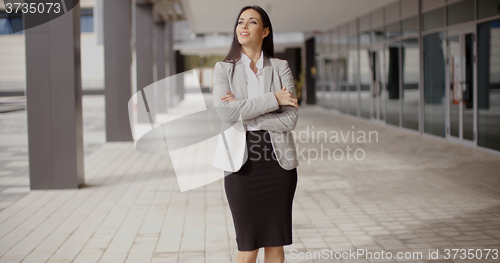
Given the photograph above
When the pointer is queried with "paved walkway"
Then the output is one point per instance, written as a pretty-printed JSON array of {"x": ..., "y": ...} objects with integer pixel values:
[
  {"x": 14, "y": 103},
  {"x": 407, "y": 193},
  {"x": 14, "y": 164}
]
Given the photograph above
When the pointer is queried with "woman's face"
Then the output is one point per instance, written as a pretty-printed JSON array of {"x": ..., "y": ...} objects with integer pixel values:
[{"x": 250, "y": 29}]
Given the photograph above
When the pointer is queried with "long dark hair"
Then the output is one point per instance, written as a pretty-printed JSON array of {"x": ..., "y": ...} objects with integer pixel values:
[{"x": 267, "y": 44}]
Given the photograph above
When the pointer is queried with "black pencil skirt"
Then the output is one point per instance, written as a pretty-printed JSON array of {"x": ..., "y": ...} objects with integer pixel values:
[{"x": 260, "y": 196}]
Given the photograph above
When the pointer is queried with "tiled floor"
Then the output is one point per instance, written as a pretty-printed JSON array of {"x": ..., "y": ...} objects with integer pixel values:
[
  {"x": 14, "y": 163},
  {"x": 12, "y": 103},
  {"x": 408, "y": 194}
]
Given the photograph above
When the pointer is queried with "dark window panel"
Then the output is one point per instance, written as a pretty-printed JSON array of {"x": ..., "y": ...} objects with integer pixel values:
[{"x": 461, "y": 12}]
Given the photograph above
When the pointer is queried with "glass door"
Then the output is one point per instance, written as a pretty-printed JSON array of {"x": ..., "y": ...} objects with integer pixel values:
[
  {"x": 461, "y": 110},
  {"x": 377, "y": 63}
]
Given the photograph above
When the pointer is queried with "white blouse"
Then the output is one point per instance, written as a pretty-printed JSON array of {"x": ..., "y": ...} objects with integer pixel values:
[{"x": 255, "y": 82}]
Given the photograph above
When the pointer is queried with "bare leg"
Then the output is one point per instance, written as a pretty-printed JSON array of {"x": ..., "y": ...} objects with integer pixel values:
[
  {"x": 274, "y": 255},
  {"x": 247, "y": 256}
]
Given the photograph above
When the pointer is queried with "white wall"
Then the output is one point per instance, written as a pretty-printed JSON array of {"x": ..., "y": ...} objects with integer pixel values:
[{"x": 12, "y": 63}]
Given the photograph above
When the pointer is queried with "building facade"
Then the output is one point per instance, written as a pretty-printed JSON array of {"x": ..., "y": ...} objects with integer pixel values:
[{"x": 426, "y": 66}]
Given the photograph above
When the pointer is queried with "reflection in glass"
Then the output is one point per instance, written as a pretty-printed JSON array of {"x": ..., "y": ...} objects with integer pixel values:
[
  {"x": 335, "y": 82},
  {"x": 392, "y": 84},
  {"x": 410, "y": 26},
  {"x": 7, "y": 24},
  {"x": 337, "y": 73},
  {"x": 353, "y": 75},
  {"x": 318, "y": 47},
  {"x": 329, "y": 68},
  {"x": 319, "y": 82},
  {"x": 434, "y": 84},
  {"x": 488, "y": 93},
  {"x": 383, "y": 66},
  {"x": 365, "y": 74},
  {"x": 434, "y": 19},
  {"x": 378, "y": 34},
  {"x": 455, "y": 84},
  {"x": 461, "y": 12},
  {"x": 340, "y": 79},
  {"x": 334, "y": 71},
  {"x": 86, "y": 23},
  {"x": 375, "y": 88},
  {"x": 467, "y": 89},
  {"x": 318, "y": 44},
  {"x": 343, "y": 94},
  {"x": 461, "y": 99},
  {"x": 379, "y": 72},
  {"x": 392, "y": 30},
  {"x": 411, "y": 73},
  {"x": 487, "y": 8}
]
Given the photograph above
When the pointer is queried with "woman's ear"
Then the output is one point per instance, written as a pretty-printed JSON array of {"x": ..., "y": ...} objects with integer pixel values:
[{"x": 266, "y": 32}]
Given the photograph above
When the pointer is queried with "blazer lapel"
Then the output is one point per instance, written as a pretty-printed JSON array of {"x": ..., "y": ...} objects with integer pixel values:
[
  {"x": 267, "y": 74},
  {"x": 240, "y": 79}
]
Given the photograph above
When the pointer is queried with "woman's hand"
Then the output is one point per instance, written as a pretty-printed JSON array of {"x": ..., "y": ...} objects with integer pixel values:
[
  {"x": 229, "y": 97},
  {"x": 285, "y": 97}
]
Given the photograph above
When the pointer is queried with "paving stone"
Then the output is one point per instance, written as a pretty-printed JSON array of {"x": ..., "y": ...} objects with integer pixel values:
[{"x": 409, "y": 194}]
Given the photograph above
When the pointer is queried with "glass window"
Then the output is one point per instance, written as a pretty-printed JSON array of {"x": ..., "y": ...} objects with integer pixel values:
[
  {"x": 334, "y": 83},
  {"x": 353, "y": 75},
  {"x": 378, "y": 34},
  {"x": 381, "y": 62},
  {"x": 86, "y": 20},
  {"x": 327, "y": 47},
  {"x": 327, "y": 83},
  {"x": 318, "y": 43},
  {"x": 461, "y": 97},
  {"x": 87, "y": 23},
  {"x": 5, "y": 26},
  {"x": 328, "y": 74},
  {"x": 455, "y": 71},
  {"x": 392, "y": 83},
  {"x": 6, "y": 23},
  {"x": 411, "y": 72},
  {"x": 487, "y": 8},
  {"x": 319, "y": 78},
  {"x": 461, "y": 12},
  {"x": 434, "y": 84},
  {"x": 319, "y": 81},
  {"x": 488, "y": 92},
  {"x": 365, "y": 73},
  {"x": 343, "y": 102},
  {"x": 392, "y": 30},
  {"x": 339, "y": 70},
  {"x": 410, "y": 26},
  {"x": 434, "y": 19}
]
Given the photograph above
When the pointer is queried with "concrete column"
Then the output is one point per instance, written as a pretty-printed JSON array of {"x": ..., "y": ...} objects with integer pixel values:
[
  {"x": 169, "y": 46},
  {"x": 160, "y": 65},
  {"x": 170, "y": 57},
  {"x": 117, "y": 65},
  {"x": 54, "y": 102},
  {"x": 144, "y": 25}
]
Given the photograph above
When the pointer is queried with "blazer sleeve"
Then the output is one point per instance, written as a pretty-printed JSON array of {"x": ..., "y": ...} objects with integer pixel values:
[
  {"x": 286, "y": 120},
  {"x": 244, "y": 108}
]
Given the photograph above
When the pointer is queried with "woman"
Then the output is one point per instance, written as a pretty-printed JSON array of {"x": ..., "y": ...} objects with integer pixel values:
[{"x": 257, "y": 89}]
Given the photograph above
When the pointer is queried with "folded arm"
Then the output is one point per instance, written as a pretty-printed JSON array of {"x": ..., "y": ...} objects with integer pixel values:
[
  {"x": 246, "y": 108},
  {"x": 286, "y": 119}
]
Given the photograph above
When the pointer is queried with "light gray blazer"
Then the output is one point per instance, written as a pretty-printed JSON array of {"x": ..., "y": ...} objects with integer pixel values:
[{"x": 262, "y": 112}]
